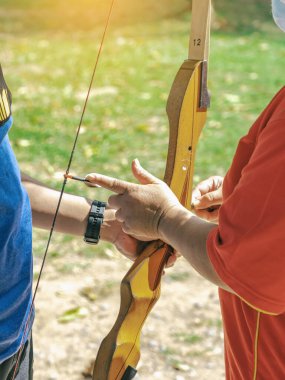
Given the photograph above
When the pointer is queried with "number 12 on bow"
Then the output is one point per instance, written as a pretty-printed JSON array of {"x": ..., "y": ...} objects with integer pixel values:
[{"x": 187, "y": 105}]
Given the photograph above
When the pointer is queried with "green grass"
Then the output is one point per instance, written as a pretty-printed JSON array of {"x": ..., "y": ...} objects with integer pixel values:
[
  {"x": 190, "y": 339},
  {"x": 48, "y": 62}
]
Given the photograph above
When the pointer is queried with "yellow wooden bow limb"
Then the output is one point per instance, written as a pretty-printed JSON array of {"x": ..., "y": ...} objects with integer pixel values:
[{"x": 187, "y": 105}]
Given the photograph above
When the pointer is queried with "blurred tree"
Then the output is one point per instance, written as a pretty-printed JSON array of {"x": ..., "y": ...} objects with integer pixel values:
[{"x": 86, "y": 14}]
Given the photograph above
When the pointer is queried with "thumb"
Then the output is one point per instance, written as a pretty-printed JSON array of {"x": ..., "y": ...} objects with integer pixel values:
[{"x": 142, "y": 175}]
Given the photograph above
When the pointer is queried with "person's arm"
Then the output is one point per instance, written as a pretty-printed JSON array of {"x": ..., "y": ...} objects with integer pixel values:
[
  {"x": 188, "y": 235},
  {"x": 73, "y": 215}
]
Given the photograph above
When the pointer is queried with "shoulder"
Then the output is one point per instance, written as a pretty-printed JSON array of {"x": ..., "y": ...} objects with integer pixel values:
[
  {"x": 5, "y": 100},
  {"x": 275, "y": 110}
]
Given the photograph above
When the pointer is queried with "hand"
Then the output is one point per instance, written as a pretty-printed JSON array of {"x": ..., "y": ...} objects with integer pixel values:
[
  {"x": 128, "y": 245},
  {"x": 112, "y": 232},
  {"x": 207, "y": 198},
  {"x": 140, "y": 208}
]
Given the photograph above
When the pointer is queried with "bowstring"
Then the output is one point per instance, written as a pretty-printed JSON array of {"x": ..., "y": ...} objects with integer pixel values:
[{"x": 107, "y": 23}]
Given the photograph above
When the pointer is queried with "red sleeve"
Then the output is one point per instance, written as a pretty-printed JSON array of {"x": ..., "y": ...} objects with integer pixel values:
[{"x": 247, "y": 250}]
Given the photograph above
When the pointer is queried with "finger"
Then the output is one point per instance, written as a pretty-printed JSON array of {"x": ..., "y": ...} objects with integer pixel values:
[
  {"x": 204, "y": 187},
  {"x": 196, "y": 195},
  {"x": 109, "y": 183},
  {"x": 119, "y": 216},
  {"x": 129, "y": 249},
  {"x": 177, "y": 254},
  {"x": 142, "y": 238},
  {"x": 208, "y": 200},
  {"x": 89, "y": 184},
  {"x": 126, "y": 229},
  {"x": 200, "y": 190},
  {"x": 114, "y": 202},
  {"x": 171, "y": 261},
  {"x": 209, "y": 185},
  {"x": 142, "y": 175}
]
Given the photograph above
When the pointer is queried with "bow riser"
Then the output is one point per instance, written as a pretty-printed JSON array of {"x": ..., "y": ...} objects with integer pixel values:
[{"x": 187, "y": 112}]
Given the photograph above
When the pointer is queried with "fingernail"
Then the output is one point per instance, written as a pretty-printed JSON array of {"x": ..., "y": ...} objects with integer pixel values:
[
  {"x": 137, "y": 161},
  {"x": 91, "y": 176}
]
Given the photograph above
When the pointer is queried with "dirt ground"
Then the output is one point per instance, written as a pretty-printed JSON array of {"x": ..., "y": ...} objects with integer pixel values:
[{"x": 182, "y": 338}]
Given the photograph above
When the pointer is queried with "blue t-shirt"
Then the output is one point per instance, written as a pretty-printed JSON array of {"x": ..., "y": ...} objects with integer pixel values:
[{"x": 16, "y": 272}]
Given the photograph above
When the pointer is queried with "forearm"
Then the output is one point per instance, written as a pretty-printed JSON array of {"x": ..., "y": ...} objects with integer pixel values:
[
  {"x": 188, "y": 234},
  {"x": 73, "y": 212}
]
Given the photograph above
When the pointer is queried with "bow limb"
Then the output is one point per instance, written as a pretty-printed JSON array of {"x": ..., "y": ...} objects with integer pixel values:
[{"x": 187, "y": 105}]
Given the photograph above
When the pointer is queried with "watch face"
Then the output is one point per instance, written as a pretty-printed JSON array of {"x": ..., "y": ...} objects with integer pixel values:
[{"x": 278, "y": 11}]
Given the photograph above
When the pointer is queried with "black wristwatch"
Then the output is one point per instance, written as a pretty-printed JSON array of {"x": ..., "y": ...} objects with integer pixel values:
[{"x": 95, "y": 220}]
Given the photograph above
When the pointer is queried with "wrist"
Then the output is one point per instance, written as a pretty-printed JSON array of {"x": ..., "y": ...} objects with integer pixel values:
[
  {"x": 171, "y": 221},
  {"x": 107, "y": 232}
]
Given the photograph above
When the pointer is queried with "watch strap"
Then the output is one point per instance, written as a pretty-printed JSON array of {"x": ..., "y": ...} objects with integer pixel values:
[{"x": 95, "y": 220}]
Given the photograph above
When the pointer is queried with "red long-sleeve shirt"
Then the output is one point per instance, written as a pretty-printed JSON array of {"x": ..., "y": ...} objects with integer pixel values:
[{"x": 247, "y": 250}]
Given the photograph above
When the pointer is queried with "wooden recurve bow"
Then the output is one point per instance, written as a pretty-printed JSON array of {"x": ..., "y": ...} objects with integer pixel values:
[{"x": 187, "y": 105}]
